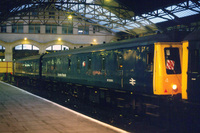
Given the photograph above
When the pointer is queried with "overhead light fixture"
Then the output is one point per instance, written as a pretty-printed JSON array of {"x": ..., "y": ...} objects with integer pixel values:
[
  {"x": 70, "y": 17},
  {"x": 107, "y": 0}
]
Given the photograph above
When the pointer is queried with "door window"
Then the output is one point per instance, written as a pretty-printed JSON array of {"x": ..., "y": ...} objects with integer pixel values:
[{"x": 172, "y": 61}]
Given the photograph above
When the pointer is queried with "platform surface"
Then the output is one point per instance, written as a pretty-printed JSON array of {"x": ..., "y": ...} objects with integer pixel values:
[{"x": 23, "y": 112}]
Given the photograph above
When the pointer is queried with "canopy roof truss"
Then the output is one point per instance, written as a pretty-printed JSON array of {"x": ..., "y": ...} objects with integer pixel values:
[
  {"x": 174, "y": 12},
  {"x": 105, "y": 13}
]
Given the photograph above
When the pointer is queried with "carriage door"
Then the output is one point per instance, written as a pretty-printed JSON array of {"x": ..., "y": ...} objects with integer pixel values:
[
  {"x": 120, "y": 69},
  {"x": 193, "y": 89}
]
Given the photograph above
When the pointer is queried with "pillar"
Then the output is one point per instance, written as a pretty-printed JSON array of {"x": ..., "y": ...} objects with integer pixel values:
[
  {"x": 42, "y": 50},
  {"x": 8, "y": 53}
]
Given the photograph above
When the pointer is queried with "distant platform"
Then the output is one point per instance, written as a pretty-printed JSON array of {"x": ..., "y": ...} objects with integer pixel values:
[{"x": 23, "y": 112}]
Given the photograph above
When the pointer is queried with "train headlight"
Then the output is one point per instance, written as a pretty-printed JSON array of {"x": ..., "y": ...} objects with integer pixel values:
[{"x": 174, "y": 87}]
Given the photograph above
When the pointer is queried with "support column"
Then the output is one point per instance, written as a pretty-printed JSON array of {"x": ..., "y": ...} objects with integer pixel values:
[
  {"x": 42, "y": 50},
  {"x": 8, "y": 54}
]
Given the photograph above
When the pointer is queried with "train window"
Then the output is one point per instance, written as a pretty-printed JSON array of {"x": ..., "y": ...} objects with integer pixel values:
[
  {"x": 78, "y": 63},
  {"x": 69, "y": 63},
  {"x": 194, "y": 55},
  {"x": 119, "y": 62},
  {"x": 58, "y": 61},
  {"x": 37, "y": 67},
  {"x": 53, "y": 64},
  {"x": 149, "y": 61},
  {"x": 103, "y": 63},
  {"x": 89, "y": 63},
  {"x": 172, "y": 61}
]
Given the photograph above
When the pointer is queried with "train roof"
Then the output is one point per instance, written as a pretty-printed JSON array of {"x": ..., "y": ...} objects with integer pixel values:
[
  {"x": 194, "y": 36},
  {"x": 35, "y": 57},
  {"x": 147, "y": 40}
]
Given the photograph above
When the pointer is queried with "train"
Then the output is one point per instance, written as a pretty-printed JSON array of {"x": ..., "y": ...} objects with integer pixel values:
[
  {"x": 191, "y": 68},
  {"x": 6, "y": 69},
  {"x": 141, "y": 73},
  {"x": 190, "y": 102}
]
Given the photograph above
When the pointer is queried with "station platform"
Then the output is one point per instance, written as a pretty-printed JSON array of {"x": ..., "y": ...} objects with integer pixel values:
[{"x": 23, "y": 112}]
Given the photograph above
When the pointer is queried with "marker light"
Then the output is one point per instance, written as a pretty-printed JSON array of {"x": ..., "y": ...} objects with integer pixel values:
[{"x": 174, "y": 87}]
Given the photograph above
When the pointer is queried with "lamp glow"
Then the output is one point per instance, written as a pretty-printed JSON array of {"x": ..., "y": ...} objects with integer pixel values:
[
  {"x": 70, "y": 17},
  {"x": 107, "y": 0},
  {"x": 174, "y": 87},
  {"x": 25, "y": 38}
]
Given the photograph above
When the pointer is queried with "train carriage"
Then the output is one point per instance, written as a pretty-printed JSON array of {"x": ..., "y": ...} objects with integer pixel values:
[
  {"x": 27, "y": 69},
  {"x": 125, "y": 65},
  {"x": 141, "y": 67},
  {"x": 190, "y": 83},
  {"x": 126, "y": 73},
  {"x": 191, "y": 67}
]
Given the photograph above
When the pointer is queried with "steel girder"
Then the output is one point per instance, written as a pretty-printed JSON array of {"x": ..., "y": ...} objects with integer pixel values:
[{"x": 104, "y": 13}]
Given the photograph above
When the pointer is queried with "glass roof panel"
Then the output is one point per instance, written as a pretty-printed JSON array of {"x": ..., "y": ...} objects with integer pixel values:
[
  {"x": 88, "y": 16},
  {"x": 185, "y": 3},
  {"x": 104, "y": 15},
  {"x": 87, "y": 10},
  {"x": 128, "y": 27},
  {"x": 114, "y": 30},
  {"x": 121, "y": 28},
  {"x": 102, "y": 22},
  {"x": 168, "y": 16},
  {"x": 197, "y": 9},
  {"x": 185, "y": 13},
  {"x": 89, "y": 1},
  {"x": 159, "y": 11},
  {"x": 134, "y": 25},
  {"x": 171, "y": 7},
  {"x": 157, "y": 20}
]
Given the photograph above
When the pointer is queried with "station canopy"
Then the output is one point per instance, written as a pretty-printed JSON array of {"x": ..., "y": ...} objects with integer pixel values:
[{"x": 130, "y": 16}]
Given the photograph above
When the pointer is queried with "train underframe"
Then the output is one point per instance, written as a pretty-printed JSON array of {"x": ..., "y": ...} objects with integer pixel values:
[
  {"x": 104, "y": 96},
  {"x": 159, "y": 108}
]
